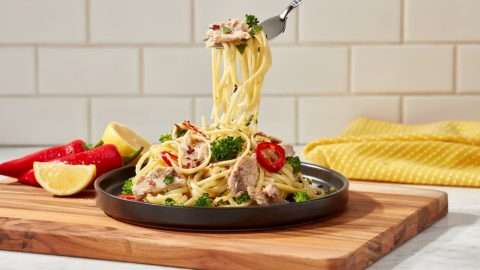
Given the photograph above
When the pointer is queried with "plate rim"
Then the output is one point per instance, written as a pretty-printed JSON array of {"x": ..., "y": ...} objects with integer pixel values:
[{"x": 338, "y": 175}]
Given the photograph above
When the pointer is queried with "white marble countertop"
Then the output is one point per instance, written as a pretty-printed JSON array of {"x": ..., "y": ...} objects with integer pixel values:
[{"x": 451, "y": 243}]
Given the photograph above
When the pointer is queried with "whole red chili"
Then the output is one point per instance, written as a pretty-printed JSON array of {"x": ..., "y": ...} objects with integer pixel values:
[
  {"x": 17, "y": 167},
  {"x": 105, "y": 158},
  {"x": 270, "y": 156}
]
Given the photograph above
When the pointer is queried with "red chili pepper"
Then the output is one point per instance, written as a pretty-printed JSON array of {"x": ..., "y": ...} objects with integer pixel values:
[
  {"x": 167, "y": 156},
  {"x": 17, "y": 167},
  {"x": 105, "y": 158},
  {"x": 127, "y": 197},
  {"x": 270, "y": 156}
]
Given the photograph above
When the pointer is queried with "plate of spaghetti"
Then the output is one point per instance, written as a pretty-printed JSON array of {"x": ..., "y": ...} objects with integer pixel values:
[{"x": 224, "y": 173}]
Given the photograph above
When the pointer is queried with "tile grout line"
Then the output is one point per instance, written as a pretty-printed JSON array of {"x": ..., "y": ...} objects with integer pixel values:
[
  {"x": 141, "y": 71},
  {"x": 36, "y": 71},
  {"x": 401, "y": 117},
  {"x": 87, "y": 22},
  {"x": 89, "y": 120},
  {"x": 297, "y": 25},
  {"x": 301, "y": 94},
  {"x": 402, "y": 21},
  {"x": 307, "y": 44},
  {"x": 296, "y": 133},
  {"x": 349, "y": 70},
  {"x": 192, "y": 21},
  {"x": 455, "y": 70},
  {"x": 193, "y": 107}
]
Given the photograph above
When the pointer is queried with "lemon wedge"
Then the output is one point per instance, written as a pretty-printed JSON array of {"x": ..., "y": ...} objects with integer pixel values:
[
  {"x": 62, "y": 179},
  {"x": 126, "y": 140}
]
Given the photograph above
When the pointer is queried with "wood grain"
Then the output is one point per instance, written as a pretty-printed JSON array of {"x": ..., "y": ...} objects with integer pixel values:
[{"x": 379, "y": 218}]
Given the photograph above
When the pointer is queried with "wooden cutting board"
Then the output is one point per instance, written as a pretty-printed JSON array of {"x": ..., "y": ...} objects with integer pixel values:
[{"x": 379, "y": 218}]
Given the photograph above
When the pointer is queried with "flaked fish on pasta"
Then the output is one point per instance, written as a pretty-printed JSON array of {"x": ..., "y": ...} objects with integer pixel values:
[{"x": 225, "y": 161}]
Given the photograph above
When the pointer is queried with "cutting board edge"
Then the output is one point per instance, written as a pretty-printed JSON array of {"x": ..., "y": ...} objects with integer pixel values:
[
  {"x": 68, "y": 247},
  {"x": 440, "y": 210}
]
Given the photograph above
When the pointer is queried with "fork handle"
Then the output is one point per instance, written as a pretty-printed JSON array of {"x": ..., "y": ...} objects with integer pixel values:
[{"x": 292, "y": 6}]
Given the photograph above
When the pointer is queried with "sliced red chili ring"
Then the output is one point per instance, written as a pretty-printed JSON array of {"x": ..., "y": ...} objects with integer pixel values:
[
  {"x": 127, "y": 197},
  {"x": 270, "y": 156},
  {"x": 167, "y": 156}
]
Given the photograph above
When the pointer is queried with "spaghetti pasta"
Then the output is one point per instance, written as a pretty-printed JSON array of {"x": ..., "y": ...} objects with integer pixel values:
[{"x": 226, "y": 162}]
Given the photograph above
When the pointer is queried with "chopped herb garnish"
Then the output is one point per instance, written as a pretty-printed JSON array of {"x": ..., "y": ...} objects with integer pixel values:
[
  {"x": 295, "y": 163},
  {"x": 226, "y": 148},
  {"x": 180, "y": 132},
  {"x": 168, "y": 179},
  {"x": 204, "y": 201},
  {"x": 253, "y": 23},
  {"x": 251, "y": 20},
  {"x": 170, "y": 201},
  {"x": 226, "y": 30},
  {"x": 300, "y": 196},
  {"x": 165, "y": 137},
  {"x": 242, "y": 198},
  {"x": 250, "y": 120},
  {"x": 127, "y": 187},
  {"x": 241, "y": 47}
]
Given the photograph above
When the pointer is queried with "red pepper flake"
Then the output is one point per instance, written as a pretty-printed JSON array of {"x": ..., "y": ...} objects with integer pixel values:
[{"x": 215, "y": 27}]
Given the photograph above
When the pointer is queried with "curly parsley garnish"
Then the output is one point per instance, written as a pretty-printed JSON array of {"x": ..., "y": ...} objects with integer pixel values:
[{"x": 253, "y": 23}]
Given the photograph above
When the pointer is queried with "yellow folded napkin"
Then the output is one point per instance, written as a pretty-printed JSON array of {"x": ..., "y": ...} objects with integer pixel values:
[{"x": 443, "y": 153}]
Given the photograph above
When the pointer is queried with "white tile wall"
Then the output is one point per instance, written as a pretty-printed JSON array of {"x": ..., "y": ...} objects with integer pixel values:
[
  {"x": 210, "y": 11},
  {"x": 68, "y": 67},
  {"x": 308, "y": 70},
  {"x": 469, "y": 68},
  {"x": 149, "y": 116},
  {"x": 442, "y": 20},
  {"x": 55, "y": 21},
  {"x": 140, "y": 21},
  {"x": 88, "y": 70},
  {"x": 350, "y": 21},
  {"x": 42, "y": 120},
  {"x": 406, "y": 69},
  {"x": 277, "y": 116},
  {"x": 17, "y": 71},
  {"x": 177, "y": 71},
  {"x": 423, "y": 109},
  {"x": 328, "y": 116}
]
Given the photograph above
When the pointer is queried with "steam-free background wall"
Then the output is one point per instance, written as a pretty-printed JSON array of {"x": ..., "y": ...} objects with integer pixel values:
[{"x": 68, "y": 67}]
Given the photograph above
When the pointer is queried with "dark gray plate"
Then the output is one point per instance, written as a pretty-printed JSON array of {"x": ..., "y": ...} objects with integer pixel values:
[{"x": 221, "y": 219}]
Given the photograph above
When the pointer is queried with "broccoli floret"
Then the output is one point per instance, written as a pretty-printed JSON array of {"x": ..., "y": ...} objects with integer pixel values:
[
  {"x": 295, "y": 163},
  {"x": 204, "y": 201},
  {"x": 242, "y": 198},
  {"x": 300, "y": 196},
  {"x": 226, "y": 148},
  {"x": 165, "y": 137},
  {"x": 127, "y": 187}
]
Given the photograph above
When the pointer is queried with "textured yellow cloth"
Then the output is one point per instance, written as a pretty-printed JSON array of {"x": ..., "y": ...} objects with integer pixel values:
[{"x": 444, "y": 153}]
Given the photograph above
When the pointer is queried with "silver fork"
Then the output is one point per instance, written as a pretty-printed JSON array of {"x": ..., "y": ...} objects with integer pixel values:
[{"x": 276, "y": 25}]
